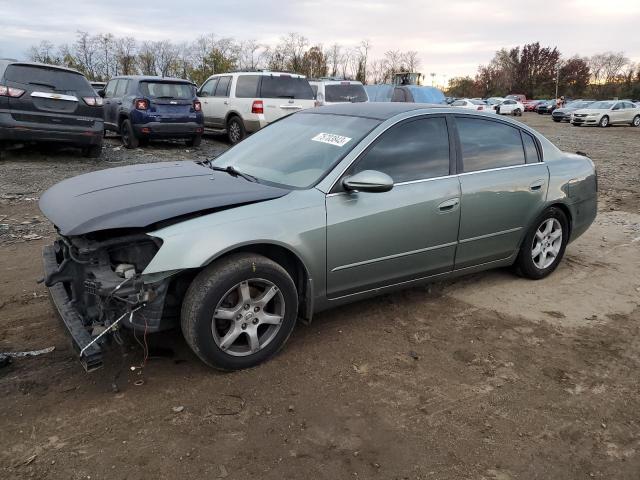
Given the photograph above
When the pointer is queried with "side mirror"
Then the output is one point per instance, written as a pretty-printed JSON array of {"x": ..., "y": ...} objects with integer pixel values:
[
  {"x": 368, "y": 181},
  {"x": 201, "y": 94},
  {"x": 101, "y": 92}
]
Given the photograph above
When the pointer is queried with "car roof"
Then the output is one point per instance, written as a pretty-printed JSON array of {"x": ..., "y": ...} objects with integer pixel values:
[
  {"x": 152, "y": 78},
  {"x": 4, "y": 62},
  {"x": 375, "y": 110}
]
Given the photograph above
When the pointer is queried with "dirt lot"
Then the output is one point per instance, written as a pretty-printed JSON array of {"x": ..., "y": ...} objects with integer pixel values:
[{"x": 487, "y": 377}]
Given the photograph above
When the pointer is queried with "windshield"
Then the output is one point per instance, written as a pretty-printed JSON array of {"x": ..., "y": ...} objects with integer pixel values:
[
  {"x": 298, "y": 150},
  {"x": 477, "y": 102},
  {"x": 284, "y": 86},
  {"x": 48, "y": 78},
  {"x": 601, "y": 105},
  {"x": 345, "y": 93},
  {"x": 183, "y": 91},
  {"x": 427, "y": 94}
]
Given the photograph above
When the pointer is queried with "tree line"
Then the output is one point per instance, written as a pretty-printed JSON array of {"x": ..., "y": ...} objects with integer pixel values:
[
  {"x": 104, "y": 55},
  {"x": 534, "y": 71}
]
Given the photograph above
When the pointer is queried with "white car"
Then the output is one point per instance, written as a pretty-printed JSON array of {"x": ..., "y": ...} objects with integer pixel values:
[
  {"x": 608, "y": 112},
  {"x": 244, "y": 102},
  {"x": 330, "y": 91},
  {"x": 473, "y": 104},
  {"x": 509, "y": 107}
]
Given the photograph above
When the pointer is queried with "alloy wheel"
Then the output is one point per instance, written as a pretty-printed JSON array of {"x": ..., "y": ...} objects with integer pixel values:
[
  {"x": 248, "y": 317},
  {"x": 547, "y": 243},
  {"x": 234, "y": 132}
]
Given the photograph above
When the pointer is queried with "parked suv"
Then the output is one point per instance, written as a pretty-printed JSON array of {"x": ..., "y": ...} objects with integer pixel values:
[
  {"x": 47, "y": 103},
  {"x": 330, "y": 91},
  {"x": 244, "y": 102},
  {"x": 141, "y": 108}
]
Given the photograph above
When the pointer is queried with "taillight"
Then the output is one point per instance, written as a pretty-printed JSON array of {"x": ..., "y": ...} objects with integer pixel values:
[
  {"x": 10, "y": 92},
  {"x": 257, "y": 106},
  {"x": 197, "y": 106},
  {"x": 142, "y": 104},
  {"x": 93, "y": 101}
]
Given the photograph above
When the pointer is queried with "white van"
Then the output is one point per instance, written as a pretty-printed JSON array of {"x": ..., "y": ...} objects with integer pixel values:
[{"x": 239, "y": 103}]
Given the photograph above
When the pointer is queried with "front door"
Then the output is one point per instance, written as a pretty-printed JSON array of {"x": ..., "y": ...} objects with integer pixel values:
[
  {"x": 503, "y": 189},
  {"x": 204, "y": 95},
  {"x": 409, "y": 232},
  {"x": 110, "y": 105},
  {"x": 219, "y": 103}
]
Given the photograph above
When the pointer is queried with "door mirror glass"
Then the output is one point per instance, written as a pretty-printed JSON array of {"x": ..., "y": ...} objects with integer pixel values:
[{"x": 368, "y": 181}]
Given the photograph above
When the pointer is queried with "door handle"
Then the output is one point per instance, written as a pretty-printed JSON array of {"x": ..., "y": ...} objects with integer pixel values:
[
  {"x": 449, "y": 205},
  {"x": 537, "y": 185},
  {"x": 226, "y": 103}
]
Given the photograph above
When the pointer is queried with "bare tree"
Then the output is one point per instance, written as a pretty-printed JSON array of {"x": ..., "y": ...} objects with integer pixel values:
[
  {"x": 84, "y": 50},
  {"x": 334, "y": 58},
  {"x": 126, "y": 56}
]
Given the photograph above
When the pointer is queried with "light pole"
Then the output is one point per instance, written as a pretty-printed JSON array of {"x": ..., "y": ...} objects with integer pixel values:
[
  {"x": 558, "y": 65},
  {"x": 433, "y": 77}
]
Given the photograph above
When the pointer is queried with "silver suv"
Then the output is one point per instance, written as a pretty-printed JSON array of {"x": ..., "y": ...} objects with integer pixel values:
[{"x": 239, "y": 103}]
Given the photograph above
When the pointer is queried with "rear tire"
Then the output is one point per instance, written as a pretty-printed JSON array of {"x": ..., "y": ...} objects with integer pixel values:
[
  {"x": 94, "y": 151},
  {"x": 129, "y": 138},
  {"x": 223, "y": 319},
  {"x": 636, "y": 121},
  {"x": 604, "y": 122},
  {"x": 235, "y": 130},
  {"x": 195, "y": 141},
  {"x": 544, "y": 245}
]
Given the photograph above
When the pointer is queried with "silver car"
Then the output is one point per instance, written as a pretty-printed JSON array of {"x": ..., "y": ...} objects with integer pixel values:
[
  {"x": 325, "y": 207},
  {"x": 608, "y": 112}
]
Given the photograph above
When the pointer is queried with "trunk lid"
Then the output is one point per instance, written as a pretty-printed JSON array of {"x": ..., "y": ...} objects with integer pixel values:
[
  {"x": 52, "y": 96},
  {"x": 284, "y": 94},
  {"x": 169, "y": 99}
]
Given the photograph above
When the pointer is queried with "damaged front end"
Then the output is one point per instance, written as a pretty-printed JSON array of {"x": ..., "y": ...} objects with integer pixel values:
[{"x": 97, "y": 286}]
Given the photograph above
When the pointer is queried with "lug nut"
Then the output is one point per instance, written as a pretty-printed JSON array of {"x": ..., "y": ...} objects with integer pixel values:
[
  {"x": 244, "y": 326},
  {"x": 238, "y": 317},
  {"x": 246, "y": 307},
  {"x": 256, "y": 309},
  {"x": 255, "y": 321}
]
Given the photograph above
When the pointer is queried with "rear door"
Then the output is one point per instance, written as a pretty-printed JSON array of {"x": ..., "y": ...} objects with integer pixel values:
[
  {"x": 285, "y": 94},
  {"x": 52, "y": 96},
  {"x": 110, "y": 104},
  {"x": 409, "y": 232},
  {"x": 503, "y": 188}
]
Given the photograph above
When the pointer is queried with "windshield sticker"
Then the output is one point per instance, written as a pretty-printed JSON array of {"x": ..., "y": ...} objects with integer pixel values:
[{"x": 331, "y": 139}]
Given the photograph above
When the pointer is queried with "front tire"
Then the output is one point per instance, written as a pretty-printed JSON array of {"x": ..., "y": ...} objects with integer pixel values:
[
  {"x": 93, "y": 151},
  {"x": 604, "y": 122},
  {"x": 239, "y": 311},
  {"x": 129, "y": 138},
  {"x": 235, "y": 130},
  {"x": 194, "y": 141},
  {"x": 544, "y": 245},
  {"x": 517, "y": 112}
]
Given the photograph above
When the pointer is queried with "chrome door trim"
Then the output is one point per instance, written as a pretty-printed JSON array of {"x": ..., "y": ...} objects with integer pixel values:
[
  {"x": 55, "y": 96},
  {"x": 488, "y": 235},
  {"x": 391, "y": 257},
  {"x": 502, "y": 168},
  {"x": 400, "y": 184}
]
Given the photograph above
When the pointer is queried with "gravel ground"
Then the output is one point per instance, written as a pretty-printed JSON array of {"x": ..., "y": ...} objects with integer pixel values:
[{"x": 486, "y": 377}]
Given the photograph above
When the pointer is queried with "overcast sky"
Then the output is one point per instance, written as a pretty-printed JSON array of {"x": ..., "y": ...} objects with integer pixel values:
[{"x": 452, "y": 37}]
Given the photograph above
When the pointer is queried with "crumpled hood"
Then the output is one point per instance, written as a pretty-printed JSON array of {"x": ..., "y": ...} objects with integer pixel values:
[{"x": 140, "y": 195}]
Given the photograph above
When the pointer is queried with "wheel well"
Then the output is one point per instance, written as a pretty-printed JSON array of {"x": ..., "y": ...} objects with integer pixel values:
[
  {"x": 230, "y": 115},
  {"x": 566, "y": 211},
  {"x": 283, "y": 257},
  {"x": 121, "y": 118}
]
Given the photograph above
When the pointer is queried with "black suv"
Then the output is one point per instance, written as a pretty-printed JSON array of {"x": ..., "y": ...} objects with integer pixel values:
[
  {"x": 47, "y": 103},
  {"x": 141, "y": 108}
]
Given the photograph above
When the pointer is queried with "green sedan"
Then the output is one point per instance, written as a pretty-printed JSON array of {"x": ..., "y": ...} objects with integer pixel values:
[{"x": 325, "y": 207}]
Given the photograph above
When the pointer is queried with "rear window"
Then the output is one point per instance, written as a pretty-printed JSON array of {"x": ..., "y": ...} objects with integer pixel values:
[
  {"x": 183, "y": 91},
  {"x": 51, "y": 78},
  {"x": 345, "y": 93},
  {"x": 284, "y": 86},
  {"x": 247, "y": 86}
]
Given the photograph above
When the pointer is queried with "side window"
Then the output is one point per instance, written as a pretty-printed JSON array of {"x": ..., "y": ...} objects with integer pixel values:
[
  {"x": 617, "y": 106},
  {"x": 629, "y": 105},
  {"x": 222, "y": 90},
  {"x": 208, "y": 87},
  {"x": 530, "y": 150},
  {"x": 459, "y": 103},
  {"x": 247, "y": 86},
  {"x": 110, "y": 88},
  {"x": 488, "y": 144},
  {"x": 414, "y": 150},
  {"x": 121, "y": 88}
]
